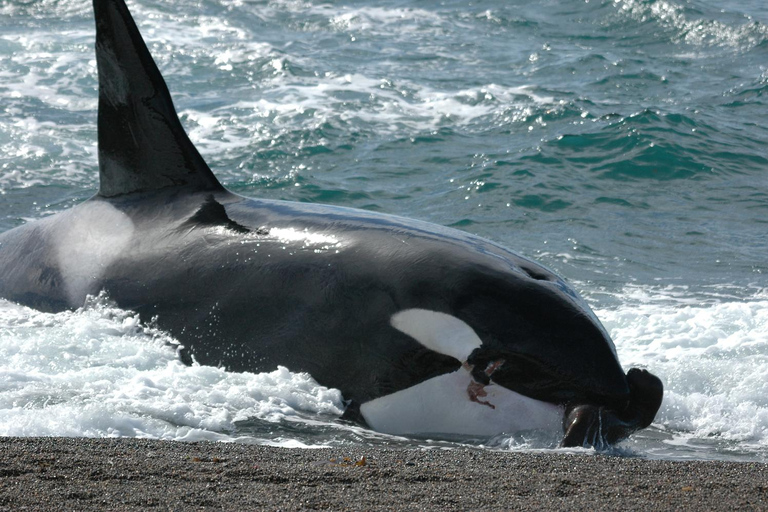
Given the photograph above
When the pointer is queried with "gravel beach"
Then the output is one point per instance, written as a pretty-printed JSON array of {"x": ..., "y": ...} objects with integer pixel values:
[{"x": 134, "y": 474}]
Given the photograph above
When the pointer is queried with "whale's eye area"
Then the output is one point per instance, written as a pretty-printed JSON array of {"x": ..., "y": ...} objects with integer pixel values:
[
  {"x": 536, "y": 274},
  {"x": 443, "y": 333}
]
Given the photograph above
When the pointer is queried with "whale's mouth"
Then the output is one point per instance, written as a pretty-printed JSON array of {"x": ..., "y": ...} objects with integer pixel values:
[
  {"x": 531, "y": 378},
  {"x": 590, "y": 419},
  {"x": 601, "y": 426}
]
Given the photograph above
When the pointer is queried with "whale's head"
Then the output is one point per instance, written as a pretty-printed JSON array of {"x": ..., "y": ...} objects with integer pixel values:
[
  {"x": 528, "y": 331},
  {"x": 553, "y": 346}
]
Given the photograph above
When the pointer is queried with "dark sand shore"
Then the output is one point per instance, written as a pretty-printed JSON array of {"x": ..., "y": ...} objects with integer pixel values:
[{"x": 130, "y": 474}]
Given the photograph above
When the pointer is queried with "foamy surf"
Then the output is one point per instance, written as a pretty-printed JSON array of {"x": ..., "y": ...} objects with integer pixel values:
[
  {"x": 99, "y": 372},
  {"x": 711, "y": 354}
]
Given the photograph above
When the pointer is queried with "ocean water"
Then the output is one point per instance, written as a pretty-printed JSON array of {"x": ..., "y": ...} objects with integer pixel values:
[{"x": 620, "y": 142}]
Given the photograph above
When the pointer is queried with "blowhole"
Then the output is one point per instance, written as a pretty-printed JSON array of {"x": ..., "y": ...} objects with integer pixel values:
[{"x": 537, "y": 275}]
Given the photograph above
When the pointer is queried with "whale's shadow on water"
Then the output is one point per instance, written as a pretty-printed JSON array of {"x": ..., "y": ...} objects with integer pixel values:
[{"x": 424, "y": 329}]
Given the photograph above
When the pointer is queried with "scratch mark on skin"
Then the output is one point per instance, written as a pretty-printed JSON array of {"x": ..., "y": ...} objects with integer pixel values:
[{"x": 476, "y": 390}]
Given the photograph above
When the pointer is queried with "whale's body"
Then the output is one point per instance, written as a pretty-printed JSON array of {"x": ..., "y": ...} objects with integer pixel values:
[{"x": 424, "y": 329}]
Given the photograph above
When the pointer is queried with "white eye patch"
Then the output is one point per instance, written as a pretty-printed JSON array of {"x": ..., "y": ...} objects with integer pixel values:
[{"x": 440, "y": 332}]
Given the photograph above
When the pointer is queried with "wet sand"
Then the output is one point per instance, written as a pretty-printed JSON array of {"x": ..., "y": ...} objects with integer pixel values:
[{"x": 131, "y": 474}]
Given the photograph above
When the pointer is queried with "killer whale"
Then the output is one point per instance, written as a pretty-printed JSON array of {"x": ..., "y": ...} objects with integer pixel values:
[{"x": 424, "y": 329}]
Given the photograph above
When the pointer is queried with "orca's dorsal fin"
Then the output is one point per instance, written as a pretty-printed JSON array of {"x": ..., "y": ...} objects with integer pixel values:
[{"x": 142, "y": 145}]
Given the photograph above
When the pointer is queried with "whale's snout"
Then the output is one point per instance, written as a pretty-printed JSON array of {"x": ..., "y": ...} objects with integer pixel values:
[{"x": 601, "y": 426}]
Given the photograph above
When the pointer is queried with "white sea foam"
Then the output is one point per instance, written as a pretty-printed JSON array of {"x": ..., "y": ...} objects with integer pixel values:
[
  {"x": 711, "y": 355},
  {"x": 694, "y": 31},
  {"x": 43, "y": 76},
  {"x": 265, "y": 101},
  {"x": 369, "y": 20},
  {"x": 374, "y": 20},
  {"x": 56, "y": 8},
  {"x": 99, "y": 372},
  {"x": 43, "y": 69},
  {"x": 290, "y": 103}
]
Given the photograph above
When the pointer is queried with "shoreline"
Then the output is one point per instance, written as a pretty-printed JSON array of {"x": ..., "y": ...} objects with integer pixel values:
[{"x": 54, "y": 473}]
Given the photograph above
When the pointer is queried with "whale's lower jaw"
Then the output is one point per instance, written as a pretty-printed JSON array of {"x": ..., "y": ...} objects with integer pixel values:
[{"x": 447, "y": 405}]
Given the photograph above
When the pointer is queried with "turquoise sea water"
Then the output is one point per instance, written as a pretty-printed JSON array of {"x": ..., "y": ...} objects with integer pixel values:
[{"x": 621, "y": 143}]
